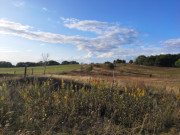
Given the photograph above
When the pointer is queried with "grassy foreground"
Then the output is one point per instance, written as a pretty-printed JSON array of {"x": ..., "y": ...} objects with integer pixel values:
[
  {"x": 40, "y": 69},
  {"x": 47, "y": 106}
]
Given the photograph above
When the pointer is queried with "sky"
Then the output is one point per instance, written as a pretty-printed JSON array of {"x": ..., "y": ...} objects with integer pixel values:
[{"x": 88, "y": 30}]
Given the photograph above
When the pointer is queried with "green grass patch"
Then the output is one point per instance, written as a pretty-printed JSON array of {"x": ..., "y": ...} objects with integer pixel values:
[{"x": 40, "y": 69}]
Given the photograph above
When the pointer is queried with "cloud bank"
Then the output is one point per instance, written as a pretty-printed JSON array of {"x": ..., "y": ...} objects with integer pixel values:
[
  {"x": 111, "y": 40},
  {"x": 109, "y": 36}
]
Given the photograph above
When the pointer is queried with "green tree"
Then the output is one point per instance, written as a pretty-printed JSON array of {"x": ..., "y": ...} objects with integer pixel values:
[
  {"x": 131, "y": 61},
  {"x": 140, "y": 59},
  {"x": 177, "y": 63}
]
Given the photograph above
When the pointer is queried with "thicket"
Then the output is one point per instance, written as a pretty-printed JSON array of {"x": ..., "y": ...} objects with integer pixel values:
[{"x": 163, "y": 60}]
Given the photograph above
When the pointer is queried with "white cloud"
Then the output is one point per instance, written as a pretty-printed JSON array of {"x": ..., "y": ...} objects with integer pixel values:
[
  {"x": 110, "y": 41},
  {"x": 103, "y": 43},
  {"x": 90, "y": 25},
  {"x": 172, "y": 43},
  {"x": 106, "y": 55},
  {"x": 42, "y": 44},
  {"x": 19, "y": 4},
  {"x": 44, "y": 9}
]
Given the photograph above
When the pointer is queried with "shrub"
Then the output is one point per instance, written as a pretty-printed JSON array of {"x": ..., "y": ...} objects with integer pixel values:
[
  {"x": 177, "y": 63},
  {"x": 109, "y": 66}
]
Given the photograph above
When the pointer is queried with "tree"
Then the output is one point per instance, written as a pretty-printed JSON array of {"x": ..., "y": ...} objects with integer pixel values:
[
  {"x": 65, "y": 63},
  {"x": 52, "y": 62},
  {"x": 131, "y": 61},
  {"x": 140, "y": 60},
  {"x": 177, "y": 63},
  {"x": 119, "y": 61},
  {"x": 45, "y": 58},
  {"x": 5, "y": 64}
]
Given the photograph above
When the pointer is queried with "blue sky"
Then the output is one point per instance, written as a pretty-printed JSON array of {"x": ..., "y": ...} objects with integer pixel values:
[{"x": 88, "y": 30}]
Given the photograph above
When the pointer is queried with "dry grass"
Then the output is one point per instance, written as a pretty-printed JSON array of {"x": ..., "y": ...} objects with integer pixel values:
[{"x": 50, "y": 106}]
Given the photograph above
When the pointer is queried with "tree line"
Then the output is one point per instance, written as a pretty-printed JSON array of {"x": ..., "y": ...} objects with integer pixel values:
[
  {"x": 163, "y": 60},
  {"x": 4, "y": 64}
]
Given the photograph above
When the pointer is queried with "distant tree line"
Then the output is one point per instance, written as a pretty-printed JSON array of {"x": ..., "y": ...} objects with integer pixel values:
[
  {"x": 119, "y": 61},
  {"x": 4, "y": 64},
  {"x": 163, "y": 60}
]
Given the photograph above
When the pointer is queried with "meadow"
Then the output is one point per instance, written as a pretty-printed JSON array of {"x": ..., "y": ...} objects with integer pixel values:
[
  {"x": 39, "y": 69},
  {"x": 91, "y": 102}
]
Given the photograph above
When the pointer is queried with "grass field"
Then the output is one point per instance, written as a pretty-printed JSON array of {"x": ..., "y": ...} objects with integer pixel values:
[
  {"x": 40, "y": 69},
  {"x": 40, "y": 106},
  {"x": 135, "y": 100}
]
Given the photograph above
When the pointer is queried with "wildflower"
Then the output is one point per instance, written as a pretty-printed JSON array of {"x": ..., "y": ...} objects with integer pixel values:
[
  {"x": 2, "y": 98},
  {"x": 35, "y": 86},
  {"x": 39, "y": 94},
  {"x": 65, "y": 97},
  {"x": 62, "y": 83},
  {"x": 4, "y": 84},
  {"x": 143, "y": 92},
  {"x": 138, "y": 90},
  {"x": 25, "y": 96},
  {"x": 121, "y": 96},
  {"x": 48, "y": 83},
  {"x": 125, "y": 89}
]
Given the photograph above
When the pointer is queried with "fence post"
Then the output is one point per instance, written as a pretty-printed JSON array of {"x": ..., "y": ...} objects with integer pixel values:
[
  {"x": 25, "y": 72},
  {"x": 113, "y": 77},
  {"x": 32, "y": 71}
]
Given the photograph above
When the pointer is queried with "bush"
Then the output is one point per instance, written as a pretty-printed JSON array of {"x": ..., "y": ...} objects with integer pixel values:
[
  {"x": 131, "y": 61},
  {"x": 109, "y": 66},
  {"x": 177, "y": 63},
  {"x": 89, "y": 68}
]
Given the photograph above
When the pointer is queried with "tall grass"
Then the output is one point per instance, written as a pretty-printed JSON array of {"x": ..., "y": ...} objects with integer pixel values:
[{"x": 35, "y": 106}]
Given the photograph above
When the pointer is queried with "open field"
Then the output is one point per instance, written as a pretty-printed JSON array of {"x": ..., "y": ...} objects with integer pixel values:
[
  {"x": 130, "y": 74},
  {"x": 129, "y": 99},
  {"x": 40, "y": 69}
]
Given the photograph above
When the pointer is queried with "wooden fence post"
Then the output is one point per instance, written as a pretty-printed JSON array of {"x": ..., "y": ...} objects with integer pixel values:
[
  {"x": 25, "y": 72},
  {"x": 32, "y": 71}
]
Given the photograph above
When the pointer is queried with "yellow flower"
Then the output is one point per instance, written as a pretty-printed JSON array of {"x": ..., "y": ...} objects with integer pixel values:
[
  {"x": 143, "y": 92},
  {"x": 138, "y": 90},
  {"x": 44, "y": 83},
  {"x": 121, "y": 96},
  {"x": 125, "y": 89},
  {"x": 25, "y": 96},
  {"x": 35, "y": 86},
  {"x": 72, "y": 91},
  {"x": 2, "y": 98},
  {"x": 65, "y": 97},
  {"x": 4, "y": 84},
  {"x": 48, "y": 83},
  {"x": 39, "y": 93},
  {"x": 62, "y": 83}
]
